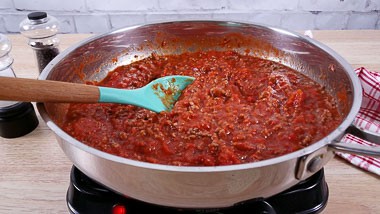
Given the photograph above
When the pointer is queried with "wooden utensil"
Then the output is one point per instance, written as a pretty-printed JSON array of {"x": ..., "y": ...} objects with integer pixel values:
[{"x": 159, "y": 95}]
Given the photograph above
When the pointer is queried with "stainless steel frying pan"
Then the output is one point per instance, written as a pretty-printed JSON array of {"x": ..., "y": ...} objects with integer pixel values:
[{"x": 203, "y": 187}]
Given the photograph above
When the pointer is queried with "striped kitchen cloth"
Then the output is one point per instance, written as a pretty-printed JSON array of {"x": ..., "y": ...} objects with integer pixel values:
[{"x": 368, "y": 118}]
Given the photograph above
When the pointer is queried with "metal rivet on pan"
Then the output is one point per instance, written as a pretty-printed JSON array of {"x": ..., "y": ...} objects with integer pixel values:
[{"x": 315, "y": 164}]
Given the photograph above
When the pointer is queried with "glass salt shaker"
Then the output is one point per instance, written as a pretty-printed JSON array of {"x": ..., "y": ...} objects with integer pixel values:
[
  {"x": 5, "y": 64},
  {"x": 41, "y": 29},
  {"x": 16, "y": 118}
]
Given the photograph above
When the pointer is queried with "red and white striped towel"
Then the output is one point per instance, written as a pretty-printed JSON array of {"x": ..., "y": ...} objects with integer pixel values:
[
  {"x": 368, "y": 118},
  {"x": 370, "y": 164}
]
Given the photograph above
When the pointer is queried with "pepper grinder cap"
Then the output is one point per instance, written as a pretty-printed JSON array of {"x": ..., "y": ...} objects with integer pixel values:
[{"x": 37, "y": 15}]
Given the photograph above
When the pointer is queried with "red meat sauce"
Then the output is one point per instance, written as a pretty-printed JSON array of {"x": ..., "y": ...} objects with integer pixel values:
[{"x": 239, "y": 109}]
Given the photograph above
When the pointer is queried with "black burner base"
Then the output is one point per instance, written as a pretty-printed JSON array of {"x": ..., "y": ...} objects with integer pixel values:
[{"x": 86, "y": 196}]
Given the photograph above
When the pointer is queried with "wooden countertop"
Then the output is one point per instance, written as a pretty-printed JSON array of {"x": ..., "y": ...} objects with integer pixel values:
[{"x": 34, "y": 172}]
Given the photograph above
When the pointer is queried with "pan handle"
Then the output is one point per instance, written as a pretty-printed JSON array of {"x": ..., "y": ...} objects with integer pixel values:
[
  {"x": 311, "y": 163},
  {"x": 355, "y": 149},
  {"x": 358, "y": 149}
]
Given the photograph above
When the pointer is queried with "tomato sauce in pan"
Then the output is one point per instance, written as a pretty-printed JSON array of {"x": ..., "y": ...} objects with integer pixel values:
[{"x": 240, "y": 109}]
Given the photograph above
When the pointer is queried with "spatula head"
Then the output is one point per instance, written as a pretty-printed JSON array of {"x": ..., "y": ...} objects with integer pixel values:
[
  {"x": 159, "y": 95},
  {"x": 169, "y": 88}
]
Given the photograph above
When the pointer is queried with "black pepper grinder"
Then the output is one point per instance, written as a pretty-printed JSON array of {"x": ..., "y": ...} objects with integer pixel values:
[
  {"x": 16, "y": 118},
  {"x": 41, "y": 29}
]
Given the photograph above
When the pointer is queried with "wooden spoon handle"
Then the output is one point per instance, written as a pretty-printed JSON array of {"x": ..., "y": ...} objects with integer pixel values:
[{"x": 31, "y": 90}]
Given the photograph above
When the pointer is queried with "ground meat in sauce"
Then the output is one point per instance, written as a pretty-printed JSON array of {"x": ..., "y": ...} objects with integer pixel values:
[{"x": 239, "y": 109}]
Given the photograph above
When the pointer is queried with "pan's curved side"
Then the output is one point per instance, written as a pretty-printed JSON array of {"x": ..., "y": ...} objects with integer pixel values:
[{"x": 185, "y": 189}]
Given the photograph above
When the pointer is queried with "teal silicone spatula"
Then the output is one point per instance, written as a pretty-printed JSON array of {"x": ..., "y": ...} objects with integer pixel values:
[{"x": 159, "y": 95}]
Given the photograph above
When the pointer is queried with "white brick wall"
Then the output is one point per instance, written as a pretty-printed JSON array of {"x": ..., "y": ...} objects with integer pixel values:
[
  {"x": 331, "y": 21},
  {"x": 263, "y": 5},
  {"x": 121, "y": 5},
  {"x": 362, "y": 20},
  {"x": 332, "y": 5},
  {"x": 97, "y": 16},
  {"x": 51, "y": 5}
]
